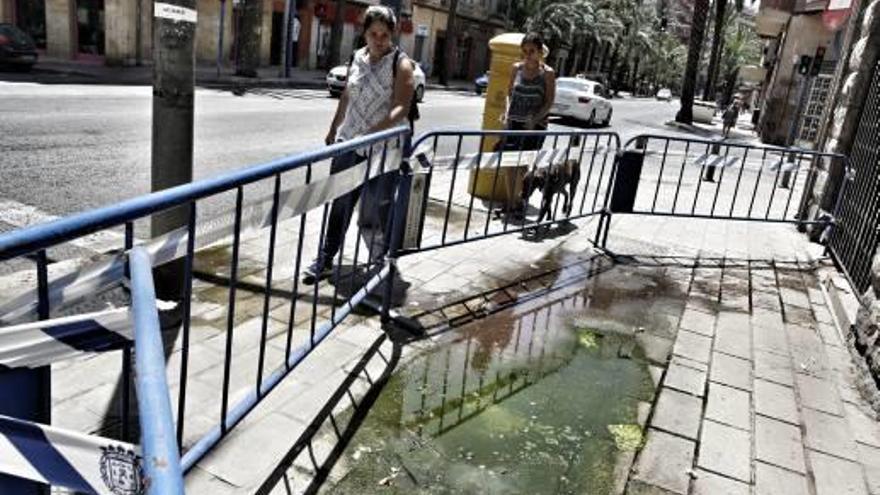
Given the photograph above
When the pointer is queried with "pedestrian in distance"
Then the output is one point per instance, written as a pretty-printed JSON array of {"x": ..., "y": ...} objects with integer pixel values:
[
  {"x": 377, "y": 96},
  {"x": 730, "y": 116},
  {"x": 530, "y": 94}
]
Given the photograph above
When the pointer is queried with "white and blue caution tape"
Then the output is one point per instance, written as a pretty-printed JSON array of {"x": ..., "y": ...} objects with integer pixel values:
[
  {"x": 490, "y": 160},
  {"x": 76, "y": 285},
  {"x": 83, "y": 463},
  {"x": 32, "y": 345}
]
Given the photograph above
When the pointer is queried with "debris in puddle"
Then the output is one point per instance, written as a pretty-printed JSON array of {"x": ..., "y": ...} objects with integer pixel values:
[
  {"x": 360, "y": 450},
  {"x": 516, "y": 396},
  {"x": 588, "y": 339},
  {"x": 626, "y": 349},
  {"x": 627, "y": 437},
  {"x": 386, "y": 481}
]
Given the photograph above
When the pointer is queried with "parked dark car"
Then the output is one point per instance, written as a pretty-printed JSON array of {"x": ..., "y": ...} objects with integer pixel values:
[
  {"x": 481, "y": 83},
  {"x": 17, "y": 49}
]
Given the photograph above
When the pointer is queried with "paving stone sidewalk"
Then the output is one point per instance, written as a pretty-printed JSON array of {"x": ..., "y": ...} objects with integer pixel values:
[
  {"x": 758, "y": 392},
  {"x": 760, "y": 395}
]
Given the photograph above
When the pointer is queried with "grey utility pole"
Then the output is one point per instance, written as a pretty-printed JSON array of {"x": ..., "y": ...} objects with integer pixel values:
[{"x": 174, "y": 26}]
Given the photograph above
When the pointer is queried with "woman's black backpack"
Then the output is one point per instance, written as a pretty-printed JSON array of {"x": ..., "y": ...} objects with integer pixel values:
[{"x": 414, "y": 104}]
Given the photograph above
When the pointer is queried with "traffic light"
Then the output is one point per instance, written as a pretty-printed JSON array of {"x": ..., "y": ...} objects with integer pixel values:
[
  {"x": 805, "y": 65},
  {"x": 817, "y": 61}
]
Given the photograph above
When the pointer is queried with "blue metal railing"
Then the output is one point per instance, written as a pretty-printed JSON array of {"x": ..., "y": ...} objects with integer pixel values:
[
  {"x": 157, "y": 427},
  {"x": 161, "y": 459},
  {"x": 592, "y": 172}
]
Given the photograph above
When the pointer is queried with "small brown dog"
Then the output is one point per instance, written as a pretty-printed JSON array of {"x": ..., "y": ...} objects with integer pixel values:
[{"x": 550, "y": 181}]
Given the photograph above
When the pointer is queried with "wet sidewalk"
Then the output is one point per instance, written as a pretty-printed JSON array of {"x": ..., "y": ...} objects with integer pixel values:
[{"x": 754, "y": 388}]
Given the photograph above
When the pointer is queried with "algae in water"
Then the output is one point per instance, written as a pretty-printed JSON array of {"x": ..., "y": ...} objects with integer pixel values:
[{"x": 627, "y": 437}]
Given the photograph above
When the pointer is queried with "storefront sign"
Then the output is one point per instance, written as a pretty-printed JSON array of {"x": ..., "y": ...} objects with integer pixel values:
[{"x": 175, "y": 13}]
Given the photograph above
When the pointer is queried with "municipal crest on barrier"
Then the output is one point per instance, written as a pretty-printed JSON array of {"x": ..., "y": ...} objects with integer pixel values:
[{"x": 121, "y": 471}]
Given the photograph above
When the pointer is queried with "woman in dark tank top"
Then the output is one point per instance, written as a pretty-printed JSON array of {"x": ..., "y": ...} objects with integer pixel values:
[{"x": 530, "y": 94}]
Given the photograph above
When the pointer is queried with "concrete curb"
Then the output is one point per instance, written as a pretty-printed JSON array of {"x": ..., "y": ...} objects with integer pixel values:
[{"x": 143, "y": 75}]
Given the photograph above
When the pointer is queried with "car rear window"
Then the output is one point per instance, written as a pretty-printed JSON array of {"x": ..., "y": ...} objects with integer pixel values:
[
  {"x": 573, "y": 85},
  {"x": 16, "y": 35}
]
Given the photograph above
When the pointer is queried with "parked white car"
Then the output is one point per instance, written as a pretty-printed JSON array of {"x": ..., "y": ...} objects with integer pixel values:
[
  {"x": 582, "y": 99},
  {"x": 337, "y": 76},
  {"x": 664, "y": 94}
]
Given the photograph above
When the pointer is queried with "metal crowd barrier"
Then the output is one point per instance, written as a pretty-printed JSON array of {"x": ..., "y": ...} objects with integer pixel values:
[
  {"x": 161, "y": 459},
  {"x": 36, "y": 328},
  {"x": 450, "y": 187},
  {"x": 526, "y": 185},
  {"x": 714, "y": 179}
]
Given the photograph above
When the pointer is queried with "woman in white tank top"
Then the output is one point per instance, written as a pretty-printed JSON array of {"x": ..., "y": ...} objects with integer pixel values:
[{"x": 373, "y": 100}]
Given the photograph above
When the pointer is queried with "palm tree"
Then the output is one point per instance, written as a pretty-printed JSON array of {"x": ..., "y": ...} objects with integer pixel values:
[
  {"x": 718, "y": 30},
  {"x": 685, "y": 114},
  {"x": 638, "y": 40},
  {"x": 666, "y": 62},
  {"x": 741, "y": 47}
]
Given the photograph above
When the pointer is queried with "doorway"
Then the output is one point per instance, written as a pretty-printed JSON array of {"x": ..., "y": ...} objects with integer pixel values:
[
  {"x": 90, "y": 28},
  {"x": 277, "y": 42},
  {"x": 439, "y": 52},
  {"x": 30, "y": 17}
]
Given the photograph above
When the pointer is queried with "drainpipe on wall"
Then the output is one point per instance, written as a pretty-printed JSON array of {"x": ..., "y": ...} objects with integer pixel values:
[
  {"x": 220, "y": 37},
  {"x": 285, "y": 40},
  {"x": 138, "y": 34}
]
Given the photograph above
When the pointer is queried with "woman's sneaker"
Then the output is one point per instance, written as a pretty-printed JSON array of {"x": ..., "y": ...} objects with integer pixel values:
[{"x": 318, "y": 270}]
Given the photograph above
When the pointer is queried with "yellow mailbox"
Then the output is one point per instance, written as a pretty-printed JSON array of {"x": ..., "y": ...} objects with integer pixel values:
[{"x": 505, "y": 49}]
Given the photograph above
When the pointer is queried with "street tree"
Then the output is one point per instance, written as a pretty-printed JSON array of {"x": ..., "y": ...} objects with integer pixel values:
[
  {"x": 719, "y": 25},
  {"x": 445, "y": 68},
  {"x": 685, "y": 114},
  {"x": 248, "y": 48},
  {"x": 336, "y": 34},
  {"x": 666, "y": 60},
  {"x": 741, "y": 47},
  {"x": 637, "y": 42}
]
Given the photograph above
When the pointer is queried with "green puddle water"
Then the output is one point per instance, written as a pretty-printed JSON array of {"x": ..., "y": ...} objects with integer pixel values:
[{"x": 523, "y": 404}]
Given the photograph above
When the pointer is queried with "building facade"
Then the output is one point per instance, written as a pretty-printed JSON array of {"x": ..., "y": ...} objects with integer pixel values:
[
  {"x": 477, "y": 21},
  {"x": 803, "y": 46},
  {"x": 119, "y": 32}
]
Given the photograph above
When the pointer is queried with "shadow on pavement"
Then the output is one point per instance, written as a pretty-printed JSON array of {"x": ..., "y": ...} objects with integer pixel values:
[{"x": 344, "y": 433}]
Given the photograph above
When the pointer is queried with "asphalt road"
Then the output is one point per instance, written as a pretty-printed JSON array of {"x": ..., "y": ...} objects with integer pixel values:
[{"x": 66, "y": 148}]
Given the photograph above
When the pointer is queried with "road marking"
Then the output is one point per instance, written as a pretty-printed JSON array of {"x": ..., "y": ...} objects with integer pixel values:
[{"x": 20, "y": 215}]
